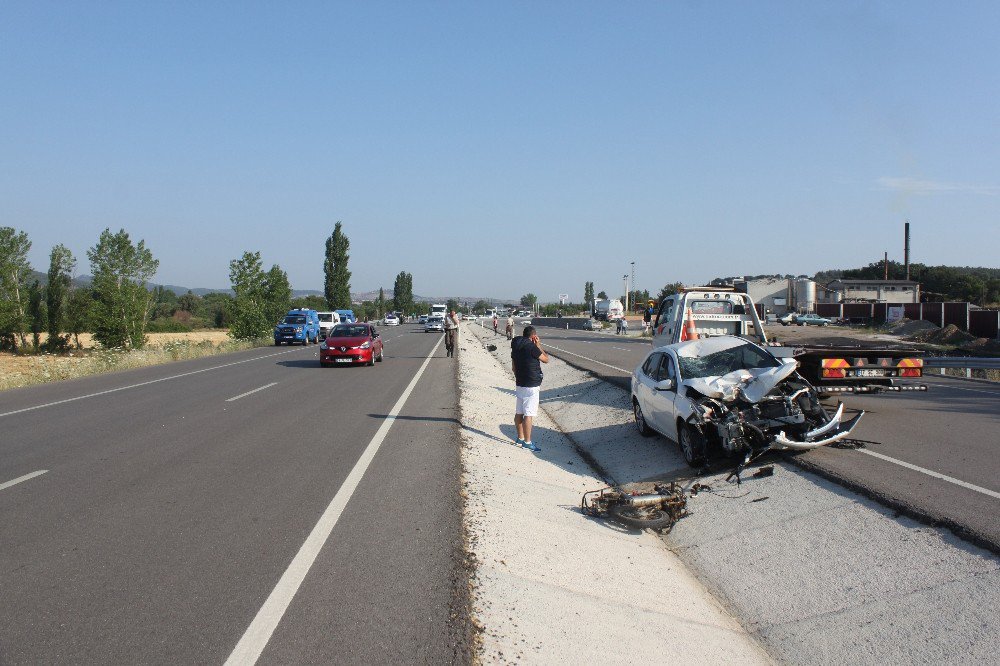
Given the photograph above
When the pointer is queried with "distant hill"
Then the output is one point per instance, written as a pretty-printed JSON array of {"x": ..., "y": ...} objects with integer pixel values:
[{"x": 359, "y": 296}]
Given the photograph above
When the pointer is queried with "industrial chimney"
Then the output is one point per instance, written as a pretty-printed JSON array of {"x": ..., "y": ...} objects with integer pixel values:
[{"x": 906, "y": 249}]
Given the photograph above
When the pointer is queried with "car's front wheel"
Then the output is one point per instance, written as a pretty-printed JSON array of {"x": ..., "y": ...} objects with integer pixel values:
[
  {"x": 692, "y": 445},
  {"x": 640, "y": 420}
]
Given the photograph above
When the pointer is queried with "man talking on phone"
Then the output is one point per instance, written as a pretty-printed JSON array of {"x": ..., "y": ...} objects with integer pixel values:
[{"x": 526, "y": 356}]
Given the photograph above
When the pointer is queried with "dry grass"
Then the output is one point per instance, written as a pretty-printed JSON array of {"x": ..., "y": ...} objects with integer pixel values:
[{"x": 25, "y": 370}]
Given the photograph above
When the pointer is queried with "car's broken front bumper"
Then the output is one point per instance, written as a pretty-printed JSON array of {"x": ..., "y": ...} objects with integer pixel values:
[{"x": 828, "y": 433}]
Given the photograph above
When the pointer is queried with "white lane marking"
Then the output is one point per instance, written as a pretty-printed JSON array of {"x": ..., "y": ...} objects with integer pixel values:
[
  {"x": 627, "y": 372},
  {"x": 936, "y": 475},
  {"x": 243, "y": 395},
  {"x": 14, "y": 482},
  {"x": 257, "y": 635},
  {"x": 132, "y": 386},
  {"x": 962, "y": 388}
]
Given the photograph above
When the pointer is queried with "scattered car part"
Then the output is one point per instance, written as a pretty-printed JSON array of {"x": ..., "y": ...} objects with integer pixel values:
[{"x": 658, "y": 510}]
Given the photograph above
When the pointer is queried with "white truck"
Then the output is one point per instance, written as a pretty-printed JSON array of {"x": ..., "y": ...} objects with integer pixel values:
[
  {"x": 439, "y": 310},
  {"x": 608, "y": 309},
  {"x": 713, "y": 311}
]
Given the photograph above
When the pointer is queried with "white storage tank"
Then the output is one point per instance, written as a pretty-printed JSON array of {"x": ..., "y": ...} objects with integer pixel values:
[{"x": 805, "y": 295}]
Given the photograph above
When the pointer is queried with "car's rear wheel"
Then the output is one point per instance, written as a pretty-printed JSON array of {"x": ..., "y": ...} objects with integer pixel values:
[
  {"x": 640, "y": 420},
  {"x": 381, "y": 353},
  {"x": 692, "y": 445}
]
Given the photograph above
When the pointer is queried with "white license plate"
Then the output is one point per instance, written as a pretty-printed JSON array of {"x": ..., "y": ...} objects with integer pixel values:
[
  {"x": 869, "y": 373},
  {"x": 344, "y": 360}
]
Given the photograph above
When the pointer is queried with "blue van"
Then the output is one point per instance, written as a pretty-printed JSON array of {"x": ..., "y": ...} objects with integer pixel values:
[
  {"x": 347, "y": 316},
  {"x": 298, "y": 326}
]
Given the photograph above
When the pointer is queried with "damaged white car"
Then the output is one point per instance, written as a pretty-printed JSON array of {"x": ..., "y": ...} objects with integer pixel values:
[{"x": 730, "y": 393}]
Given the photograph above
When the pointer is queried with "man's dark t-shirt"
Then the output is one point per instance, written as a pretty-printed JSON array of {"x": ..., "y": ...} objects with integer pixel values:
[{"x": 527, "y": 368}]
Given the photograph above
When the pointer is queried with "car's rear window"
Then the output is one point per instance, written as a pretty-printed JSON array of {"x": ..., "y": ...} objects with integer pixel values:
[
  {"x": 348, "y": 331},
  {"x": 326, "y": 317},
  {"x": 711, "y": 307},
  {"x": 296, "y": 319}
]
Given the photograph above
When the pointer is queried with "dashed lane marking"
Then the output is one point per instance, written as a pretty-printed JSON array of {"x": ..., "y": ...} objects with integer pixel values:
[
  {"x": 243, "y": 395},
  {"x": 140, "y": 384},
  {"x": 14, "y": 482},
  {"x": 936, "y": 475}
]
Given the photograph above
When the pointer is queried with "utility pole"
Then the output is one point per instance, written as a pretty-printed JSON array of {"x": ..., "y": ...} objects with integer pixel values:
[
  {"x": 633, "y": 279},
  {"x": 625, "y": 280}
]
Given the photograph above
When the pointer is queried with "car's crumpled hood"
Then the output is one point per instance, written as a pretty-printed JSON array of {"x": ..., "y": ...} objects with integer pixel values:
[{"x": 752, "y": 385}]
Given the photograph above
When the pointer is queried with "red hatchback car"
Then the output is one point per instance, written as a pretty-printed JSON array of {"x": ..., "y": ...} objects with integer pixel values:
[{"x": 350, "y": 344}]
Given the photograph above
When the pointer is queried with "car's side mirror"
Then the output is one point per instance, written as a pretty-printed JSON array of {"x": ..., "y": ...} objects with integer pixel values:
[{"x": 665, "y": 385}]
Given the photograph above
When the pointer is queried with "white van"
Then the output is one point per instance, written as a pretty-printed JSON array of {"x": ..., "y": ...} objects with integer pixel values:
[{"x": 327, "y": 320}]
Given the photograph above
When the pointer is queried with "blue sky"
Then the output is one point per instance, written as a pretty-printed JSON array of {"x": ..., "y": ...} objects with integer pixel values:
[{"x": 505, "y": 147}]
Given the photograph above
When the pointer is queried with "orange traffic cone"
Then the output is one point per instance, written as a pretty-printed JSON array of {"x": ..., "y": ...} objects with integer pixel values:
[{"x": 689, "y": 332}]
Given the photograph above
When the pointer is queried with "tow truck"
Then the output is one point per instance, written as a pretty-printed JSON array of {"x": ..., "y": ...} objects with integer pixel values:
[{"x": 832, "y": 369}]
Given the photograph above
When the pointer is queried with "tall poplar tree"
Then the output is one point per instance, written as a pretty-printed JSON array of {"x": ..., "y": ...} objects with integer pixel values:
[
  {"x": 402, "y": 293},
  {"x": 14, "y": 273},
  {"x": 337, "y": 284},
  {"x": 57, "y": 295},
  {"x": 588, "y": 294}
]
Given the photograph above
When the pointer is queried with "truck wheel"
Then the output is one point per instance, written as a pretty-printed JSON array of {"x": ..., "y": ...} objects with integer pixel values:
[{"x": 692, "y": 445}]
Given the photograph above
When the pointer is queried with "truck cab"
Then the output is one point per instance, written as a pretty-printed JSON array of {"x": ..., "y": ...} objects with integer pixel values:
[
  {"x": 714, "y": 311},
  {"x": 347, "y": 316},
  {"x": 327, "y": 320},
  {"x": 298, "y": 326}
]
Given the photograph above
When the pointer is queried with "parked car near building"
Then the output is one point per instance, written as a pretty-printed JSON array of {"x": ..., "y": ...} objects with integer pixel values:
[{"x": 811, "y": 320}]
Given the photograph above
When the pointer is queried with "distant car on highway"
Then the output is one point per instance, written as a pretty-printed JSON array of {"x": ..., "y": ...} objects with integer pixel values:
[
  {"x": 592, "y": 325},
  {"x": 468, "y": 317},
  {"x": 422, "y": 319},
  {"x": 351, "y": 344},
  {"x": 391, "y": 320},
  {"x": 434, "y": 324}
]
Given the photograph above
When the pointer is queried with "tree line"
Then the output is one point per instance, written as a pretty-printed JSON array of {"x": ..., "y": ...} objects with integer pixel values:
[{"x": 119, "y": 308}]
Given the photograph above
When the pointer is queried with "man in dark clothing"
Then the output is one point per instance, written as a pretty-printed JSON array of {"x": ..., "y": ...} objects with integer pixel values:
[
  {"x": 451, "y": 332},
  {"x": 526, "y": 356}
]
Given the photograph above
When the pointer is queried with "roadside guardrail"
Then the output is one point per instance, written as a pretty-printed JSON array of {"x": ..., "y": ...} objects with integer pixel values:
[{"x": 967, "y": 363}]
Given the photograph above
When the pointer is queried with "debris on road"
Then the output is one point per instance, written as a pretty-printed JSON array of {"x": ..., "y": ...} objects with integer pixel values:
[{"x": 658, "y": 510}]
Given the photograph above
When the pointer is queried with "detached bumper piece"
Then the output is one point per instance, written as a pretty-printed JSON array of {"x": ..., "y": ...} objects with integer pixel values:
[{"x": 827, "y": 434}]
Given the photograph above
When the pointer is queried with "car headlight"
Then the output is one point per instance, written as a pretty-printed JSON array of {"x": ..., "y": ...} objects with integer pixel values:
[
  {"x": 366, "y": 345},
  {"x": 298, "y": 328}
]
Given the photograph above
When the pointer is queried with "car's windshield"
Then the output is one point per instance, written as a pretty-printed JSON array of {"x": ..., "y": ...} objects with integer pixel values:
[
  {"x": 741, "y": 357},
  {"x": 348, "y": 331},
  {"x": 295, "y": 319},
  {"x": 326, "y": 317}
]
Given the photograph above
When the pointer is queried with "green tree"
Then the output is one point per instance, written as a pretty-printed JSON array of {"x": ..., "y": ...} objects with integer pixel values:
[
  {"x": 481, "y": 306},
  {"x": 78, "y": 313},
  {"x": 337, "y": 284},
  {"x": 451, "y": 304},
  {"x": 189, "y": 302},
  {"x": 57, "y": 295},
  {"x": 216, "y": 308},
  {"x": 669, "y": 289},
  {"x": 121, "y": 271},
  {"x": 36, "y": 313},
  {"x": 14, "y": 273},
  {"x": 588, "y": 292},
  {"x": 529, "y": 300},
  {"x": 277, "y": 294},
  {"x": 380, "y": 303},
  {"x": 250, "y": 316},
  {"x": 402, "y": 293},
  {"x": 602, "y": 295},
  {"x": 310, "y": 302}
]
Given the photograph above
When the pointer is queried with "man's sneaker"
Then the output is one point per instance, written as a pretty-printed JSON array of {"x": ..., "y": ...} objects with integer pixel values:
[
  {"x": 530, "y": 446},
  {"x": 519, "y": 442}
]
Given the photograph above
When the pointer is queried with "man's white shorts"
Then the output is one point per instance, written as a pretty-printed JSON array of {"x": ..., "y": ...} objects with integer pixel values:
[{"x": 527, "y": 400}]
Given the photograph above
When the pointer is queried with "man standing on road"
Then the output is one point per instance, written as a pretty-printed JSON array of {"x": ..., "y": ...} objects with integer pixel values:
[
  {"x": 451, "y": 332},
  {"x": 526, "y": 356},
  {"x": 510, "y": 327},
  {"x": 495, "y": 322}
]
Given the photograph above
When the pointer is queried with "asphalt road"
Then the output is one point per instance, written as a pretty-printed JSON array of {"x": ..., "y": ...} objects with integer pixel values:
[
  {"x": 912, "y": 439},
  {"x": 176, "y": 497}
]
